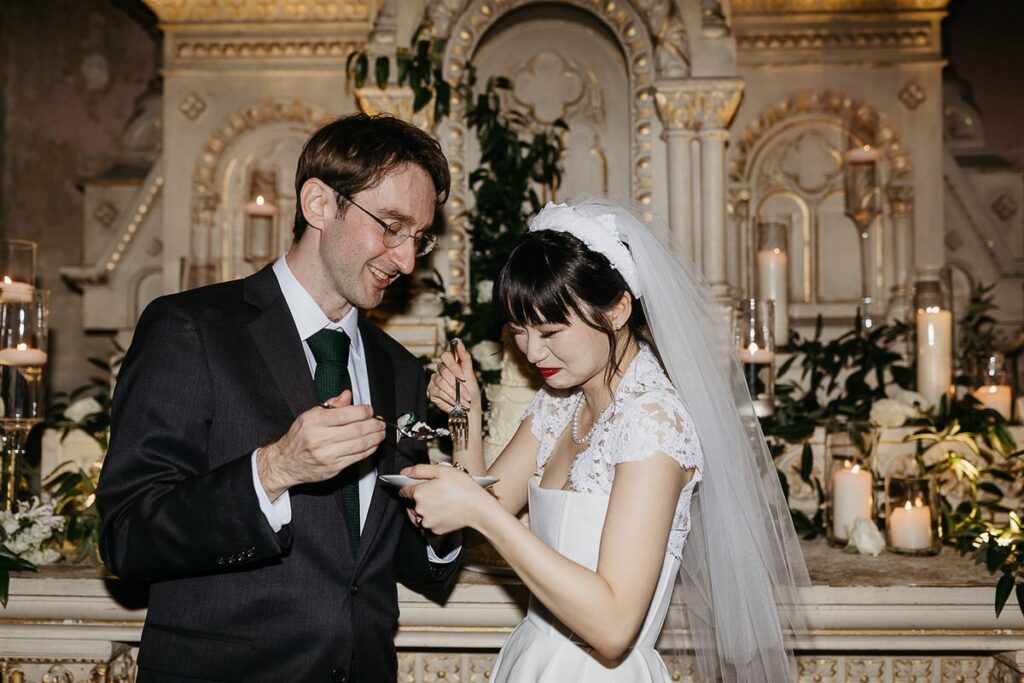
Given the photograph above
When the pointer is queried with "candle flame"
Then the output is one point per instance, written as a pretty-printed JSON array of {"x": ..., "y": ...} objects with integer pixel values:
[
  {"x": 260, "y": 201},
  {"x": 753, "y": 347},
  {"x": 992, "y": 389},
  {"x": 22, "y": 347},
  {"x": 7, "y": 279},
  {"x": 907, "y": 506},
  {"x": 776, "y": 250},
  {"x": 855, "y": 469}
]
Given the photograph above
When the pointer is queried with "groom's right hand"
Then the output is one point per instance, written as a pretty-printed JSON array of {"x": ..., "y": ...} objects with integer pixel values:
[{"x": 320, "y": 443}]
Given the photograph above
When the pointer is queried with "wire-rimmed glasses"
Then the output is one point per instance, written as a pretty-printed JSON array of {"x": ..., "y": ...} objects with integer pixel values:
[{"x": 425, "y": 242}]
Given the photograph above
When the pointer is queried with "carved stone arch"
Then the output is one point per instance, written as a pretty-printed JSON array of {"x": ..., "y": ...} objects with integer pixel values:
[
  {"x": 869, "y": 126},
  {"x": 217, "y": 199},
  {"x": 799, "y": 134},
  {"x": 637, "y": 28},
  {"x": 244, "y": 120}
]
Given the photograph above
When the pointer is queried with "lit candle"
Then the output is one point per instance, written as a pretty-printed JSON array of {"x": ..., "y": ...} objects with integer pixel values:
[
  {"x": 22, "y": 356},
  {"x": 851, "y": 498},
  {"x": 15, "y": 291},
  {"x": 910, "y": 527},
  {"x": 771, "y": 271},
  {"x": 260, "y": 215},
  {"x": 934, "y": 353},
  {"x": 756, "y": 356},
  {"x": 998, "y": 397},
  {"x": 756, "y": 360},
  {"x": 862, "y": 155}
]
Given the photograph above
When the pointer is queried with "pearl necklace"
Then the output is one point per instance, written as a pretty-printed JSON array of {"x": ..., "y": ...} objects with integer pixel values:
[{"x": 575, "y": 433}]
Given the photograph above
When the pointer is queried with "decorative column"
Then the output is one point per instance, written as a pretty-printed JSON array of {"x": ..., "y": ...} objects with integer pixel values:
[
  {"x": 675, "y": 108},
  {"x": 703, "y": 107},
  {"x": 901, "y": 204}
]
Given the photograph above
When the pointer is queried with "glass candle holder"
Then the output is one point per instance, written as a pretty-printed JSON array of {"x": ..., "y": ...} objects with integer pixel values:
[
  {"x": 756, "y": 347},
  {"x": 850, "y": 480},
  {"x": 772, "y": 273},
  {"x": 17, "y": 270},
  {"x": 260, "y": 237},
  {"x": 933, "y": 340},
  {"x": 23, "y": 339},
  {"x": 912, "y": 516},
  {"x": 992, "y": 385}
]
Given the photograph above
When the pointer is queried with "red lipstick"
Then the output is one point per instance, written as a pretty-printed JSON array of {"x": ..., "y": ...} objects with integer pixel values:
[{"x": 548, "y": 372}]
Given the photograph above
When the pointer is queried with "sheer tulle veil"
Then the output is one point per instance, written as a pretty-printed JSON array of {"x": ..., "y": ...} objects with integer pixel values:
[{"x": 743, "y": 579}]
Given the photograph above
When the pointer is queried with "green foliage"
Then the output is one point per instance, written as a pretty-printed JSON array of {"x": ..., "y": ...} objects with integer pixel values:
[{"x": 977, "y": 329}]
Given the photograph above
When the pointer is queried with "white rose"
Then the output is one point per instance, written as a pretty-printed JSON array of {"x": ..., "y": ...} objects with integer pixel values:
[
  {"x": 484, "y": 291},
  {"x": 865, "y": 538},
  {"x": 83, "y": 407},
  {"x": 487, "y": 354},
  {"x": 888, "y": 412}
]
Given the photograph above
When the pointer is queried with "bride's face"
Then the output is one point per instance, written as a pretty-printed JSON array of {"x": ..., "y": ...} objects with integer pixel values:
[{"x": 567, "y": 355}]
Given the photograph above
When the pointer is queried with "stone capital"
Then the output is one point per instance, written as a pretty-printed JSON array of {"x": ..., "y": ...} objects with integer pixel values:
[{"x": 698, "y": 104}]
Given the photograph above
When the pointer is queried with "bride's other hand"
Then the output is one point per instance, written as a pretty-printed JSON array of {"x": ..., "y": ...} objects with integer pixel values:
[
  {"x": 450, "y": 367},
  {"x": 449, "y": 501}
]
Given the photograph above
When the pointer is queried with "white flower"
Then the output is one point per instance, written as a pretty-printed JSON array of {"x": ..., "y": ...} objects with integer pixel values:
[
  {"x": 487, "y": 354},
  {"x": 888, "y": 412},
  {"x": 913, "y": 400},
  {"x": 484, "y": 291},
  {"x": 82, "y": 408},
  {"x": 865, "y": 538}
]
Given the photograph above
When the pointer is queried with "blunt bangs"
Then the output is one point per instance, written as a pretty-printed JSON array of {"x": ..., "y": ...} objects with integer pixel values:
[{"x": 533, "y": 288}]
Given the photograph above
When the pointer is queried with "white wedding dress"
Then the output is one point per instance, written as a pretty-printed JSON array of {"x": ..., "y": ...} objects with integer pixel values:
[{"x": 646, "y": 416}]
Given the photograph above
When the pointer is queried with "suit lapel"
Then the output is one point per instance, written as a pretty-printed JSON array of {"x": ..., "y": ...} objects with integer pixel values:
[
  {"x": 274, "y": 332},
  {"x": 381, "y": 378}
]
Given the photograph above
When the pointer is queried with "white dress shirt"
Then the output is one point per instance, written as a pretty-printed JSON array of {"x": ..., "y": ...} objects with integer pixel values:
[{"x": 310, "y": 319}]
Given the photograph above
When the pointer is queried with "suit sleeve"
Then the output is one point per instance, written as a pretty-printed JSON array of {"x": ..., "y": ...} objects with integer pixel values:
[
  {"x": 165, "y": 512},
  {"x": 414, "y": 568}
]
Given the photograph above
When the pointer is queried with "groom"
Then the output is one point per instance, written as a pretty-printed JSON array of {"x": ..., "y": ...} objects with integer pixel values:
[{"x": 252, "y": 508}]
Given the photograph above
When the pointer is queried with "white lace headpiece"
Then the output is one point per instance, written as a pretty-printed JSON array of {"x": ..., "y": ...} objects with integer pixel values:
[{"x": 598, "y": 232}]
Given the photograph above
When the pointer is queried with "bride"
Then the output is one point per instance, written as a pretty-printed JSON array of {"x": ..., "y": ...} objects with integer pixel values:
[{"x": 640, "y": 460}]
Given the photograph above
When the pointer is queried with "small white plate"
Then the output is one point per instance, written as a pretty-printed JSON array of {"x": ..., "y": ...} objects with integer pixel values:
[{"x": 402, "y": 480}]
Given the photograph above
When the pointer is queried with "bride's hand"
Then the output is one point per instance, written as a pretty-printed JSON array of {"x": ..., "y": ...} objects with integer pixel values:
[
  {"x": 451, "y": 500},
  {"x": 441, "y": 388}
]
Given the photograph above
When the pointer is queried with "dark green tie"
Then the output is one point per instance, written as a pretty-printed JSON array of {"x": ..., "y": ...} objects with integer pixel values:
[{"x": 330, "y": 350}]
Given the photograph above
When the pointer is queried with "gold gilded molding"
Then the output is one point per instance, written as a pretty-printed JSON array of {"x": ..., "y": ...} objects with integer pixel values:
[
  {"x": 196, "y": 11},
  {"x": 397, "y": 101},
  {"x": 232, "y": 48},
  {"x": 779, "y": 6},
  {"x": 783, "y": 39},
  {"x": 698, "y": 105}
]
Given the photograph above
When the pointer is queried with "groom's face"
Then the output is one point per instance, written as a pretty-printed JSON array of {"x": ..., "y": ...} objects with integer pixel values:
[{"x": 352, "y": 247}]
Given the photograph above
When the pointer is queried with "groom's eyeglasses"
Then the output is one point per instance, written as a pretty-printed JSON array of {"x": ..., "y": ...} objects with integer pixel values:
[{"x": 394, "y": 238}]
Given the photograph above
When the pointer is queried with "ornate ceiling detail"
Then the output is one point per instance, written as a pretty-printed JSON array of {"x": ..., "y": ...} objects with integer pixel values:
[
  {"x": 780, "y": 6},
  {"x": 194, "y": 11},
  {"x": 230, "y": 47}
]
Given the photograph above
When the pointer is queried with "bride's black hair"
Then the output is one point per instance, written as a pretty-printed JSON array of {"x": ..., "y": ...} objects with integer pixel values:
[{"x": 550, "y": 275}]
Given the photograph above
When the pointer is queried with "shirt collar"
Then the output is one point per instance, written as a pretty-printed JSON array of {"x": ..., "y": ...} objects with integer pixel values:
[{"x": 308, "y": 316}]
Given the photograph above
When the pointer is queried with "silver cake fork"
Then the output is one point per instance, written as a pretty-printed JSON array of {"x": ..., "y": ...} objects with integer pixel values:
[{"x": 458, "y": 420}]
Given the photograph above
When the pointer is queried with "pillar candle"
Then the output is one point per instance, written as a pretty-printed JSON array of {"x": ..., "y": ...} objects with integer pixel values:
[
  {"x": 851, "y": 498},
  {"x": 15, "y": 291},
  {"x": 998, "y": 397},
  {"x": 22, "y": 356},
  {"x": 934, "y": 353},
  {"x": 910, "y": 527},
  {"x": 772, "y": 280}
]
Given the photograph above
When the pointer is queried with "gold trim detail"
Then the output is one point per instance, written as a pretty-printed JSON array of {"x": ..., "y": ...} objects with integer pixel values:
[
  {"x": 785, "y": 6},
  {"x": 195, "y": 11},
  {"x": 239, "y": 48},
  {"x": 918, "y": 38},
  {"x": 698, "y": 105}
]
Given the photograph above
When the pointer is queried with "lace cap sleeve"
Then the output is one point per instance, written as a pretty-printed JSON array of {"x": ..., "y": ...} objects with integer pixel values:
[{"x": 657, "y": 421}]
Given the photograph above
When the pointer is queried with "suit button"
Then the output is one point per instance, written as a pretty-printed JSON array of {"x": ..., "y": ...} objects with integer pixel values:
[
  {"x": 354, "y": 589},
  {"x": 339, "y": 676},
  {"x": 220, "y": 560}
]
